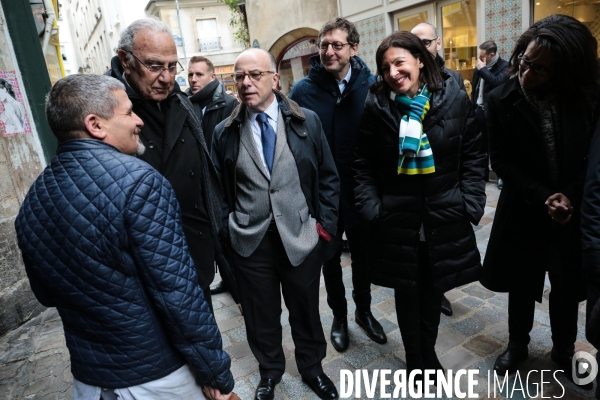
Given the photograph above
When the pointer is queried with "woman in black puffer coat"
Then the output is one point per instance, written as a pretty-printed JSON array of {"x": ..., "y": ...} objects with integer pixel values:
[{"x": 423, "y": 243}]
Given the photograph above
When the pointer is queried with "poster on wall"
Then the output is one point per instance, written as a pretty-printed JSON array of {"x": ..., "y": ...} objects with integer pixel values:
[{"x": 13, "y": 118}]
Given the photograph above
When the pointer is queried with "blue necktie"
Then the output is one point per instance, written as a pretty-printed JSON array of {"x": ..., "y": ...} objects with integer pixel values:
[{"x": 268, "y": 138}]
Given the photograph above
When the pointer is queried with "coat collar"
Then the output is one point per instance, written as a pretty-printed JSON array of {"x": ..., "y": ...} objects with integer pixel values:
[{"x": 84, "y": 144}]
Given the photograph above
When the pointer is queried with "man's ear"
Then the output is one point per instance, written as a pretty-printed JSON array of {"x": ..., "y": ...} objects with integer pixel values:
[
  {"x": 124, "y": 60},
  {"x": 353, "y": 49},
  {"x": 94, "y": 126}
]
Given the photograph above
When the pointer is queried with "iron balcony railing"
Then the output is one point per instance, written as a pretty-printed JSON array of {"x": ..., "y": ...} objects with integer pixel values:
[{"x": 209, "y": 44}]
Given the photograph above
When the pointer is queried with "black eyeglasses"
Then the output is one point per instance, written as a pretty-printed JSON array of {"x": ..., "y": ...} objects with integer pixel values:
[
  {"x": 337, "y": 46},
  {"x": 527, "y": 64},
  {"x": 427, "y": 42},
  {"x": 254, "y": 76},
  {"x": 174, "y": 68}
]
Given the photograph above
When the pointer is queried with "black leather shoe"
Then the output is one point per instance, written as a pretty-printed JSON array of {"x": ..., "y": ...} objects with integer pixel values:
[
  {"x": 339, "y": 334},
  {"x": 509, "y": 360},
  {"x": 564, "y": 361},
  {"x": 446, "y": 306},
  {"x": 218, "y": 288},
  {"x": 322, "y": 386},
  {"x": 371, "y": 326},
  {"x": 266, "y": 389}
]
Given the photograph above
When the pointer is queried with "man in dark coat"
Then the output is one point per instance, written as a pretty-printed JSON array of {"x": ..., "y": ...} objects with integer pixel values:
[
  {"x": 428, "y": 35},
  {"x": 491, "y": 72},
  {"x": 147, "y": 64},
  {"x": 280, "y": 210},
  {"x": 102, "y": 241},
  {"x": 335, "y": 89},
  {"x": 212, "y": 105}
]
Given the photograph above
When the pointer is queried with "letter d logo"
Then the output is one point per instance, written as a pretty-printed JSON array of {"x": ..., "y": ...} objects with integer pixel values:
[{"x": 589, "y": 365}]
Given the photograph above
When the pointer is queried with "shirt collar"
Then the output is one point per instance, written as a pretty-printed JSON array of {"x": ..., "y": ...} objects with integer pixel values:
[
  {"x": 346, "y": 79},
  {"x": 272, "y": 111}
]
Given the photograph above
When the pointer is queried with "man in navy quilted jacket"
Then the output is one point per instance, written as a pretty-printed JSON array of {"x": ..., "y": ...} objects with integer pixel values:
[{"x": 101, "y": 237}]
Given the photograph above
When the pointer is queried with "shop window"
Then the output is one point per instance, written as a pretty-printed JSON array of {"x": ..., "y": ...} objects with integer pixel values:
[
  {"x": 408, "y": 22},
  {"x": 459, "y": 36},
  {"x": 586, "y": 11}
]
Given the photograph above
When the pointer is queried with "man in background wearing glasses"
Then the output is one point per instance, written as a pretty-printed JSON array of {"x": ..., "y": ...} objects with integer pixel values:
[
  {"x": 335, "y": 88},
  {"x": 428, "y": 35},
  {"x": 147, "y": 65},
  {"x": 491, "y": 72},
  {"x": 281, "y": 210}
]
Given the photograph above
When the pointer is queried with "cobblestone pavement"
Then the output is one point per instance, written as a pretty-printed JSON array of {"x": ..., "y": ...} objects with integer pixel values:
[{"x": 34, "y": 362}]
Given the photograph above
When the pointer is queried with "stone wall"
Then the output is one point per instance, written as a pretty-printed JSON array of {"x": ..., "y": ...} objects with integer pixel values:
[{"x": 21, "y": 161}]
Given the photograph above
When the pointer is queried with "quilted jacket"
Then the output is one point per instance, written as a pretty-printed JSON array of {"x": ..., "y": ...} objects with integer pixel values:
[{"x": 102, "y": 241}]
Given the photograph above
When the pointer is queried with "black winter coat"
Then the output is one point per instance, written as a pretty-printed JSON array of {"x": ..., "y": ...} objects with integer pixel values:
[
  {"x": 173, "y": 149},
  {"x": 340, "y": 115},
  {"x": 525, "y": 242},
  {"x": 445, "y": 202},
  {"x": 101, "y": 237},
  {"x": 590, "y": 227},
  {"x": 318, "y": 178},
  {"x": 220, "y": 108}
]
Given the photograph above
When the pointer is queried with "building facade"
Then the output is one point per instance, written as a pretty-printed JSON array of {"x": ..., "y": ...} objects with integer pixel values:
[
  {"x": 96, "y": 26},
  {"x": 288, "y": 30},
  {"x": 462, "y": 25},
  {"x": 205, "y": 30}
]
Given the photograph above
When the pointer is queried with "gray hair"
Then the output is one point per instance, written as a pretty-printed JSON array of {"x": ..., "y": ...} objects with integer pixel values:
[
  {"x": 75, "y": 97},
  {"x": 128, "y": 36}
]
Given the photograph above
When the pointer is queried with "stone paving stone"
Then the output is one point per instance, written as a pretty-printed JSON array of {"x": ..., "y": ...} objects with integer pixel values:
[
  {"x": 388, "y": 306},
  {"x": 228, "y": 324},
  {"x": 244, "y": 366},
  {"x": 500, "y": 300},
  {"x": 38, "y": 386},
  {"x": 454, "y": 294},
  {"x": 491, "y": 315},
  {"x": 482, "y": 345},
  {"x": 542, "y": 317},
  {"x": 293, "y": 387},
  {"x": 225, "y": 340},
  {"x": 238, "y": 335},
  {"x": 291, "y": 368},
  {"x": 360, "y": 357},
  {"x": 476, "y": 290},
  {"x": 239, "y": 350},
  {"x": 388, "y": 325},
  {"x": 459, "y": 311},
  {"x": 541, "y": 335},
  {"x": 225, "y": 298},
  {"x": 228, "y": 312},
  {"x": 458, "y": 358},
  {"x": 332, "y": 369},
  {"x": 468, "y": 326},
  {"x": 243, "y": 390},
  {"x": 499, "y": 331},
  {"x": 447, "y": 339},
  {"x": 472, "y": 302}
]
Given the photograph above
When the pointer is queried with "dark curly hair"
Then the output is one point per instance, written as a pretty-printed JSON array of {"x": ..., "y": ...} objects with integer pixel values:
[
  {"x": 574, "y": 50},
  {"x": 352, "y": 34},
  {"x": 430, "y": 73}
]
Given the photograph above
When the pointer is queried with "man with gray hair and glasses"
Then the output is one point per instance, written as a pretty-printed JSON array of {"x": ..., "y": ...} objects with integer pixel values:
[
  {"x": 102, "y": 241},
  {"x": 147, "y": 65}
]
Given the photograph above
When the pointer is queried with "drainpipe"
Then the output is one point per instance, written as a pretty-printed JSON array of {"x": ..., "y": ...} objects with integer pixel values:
[{"x": 49, "y": 23}]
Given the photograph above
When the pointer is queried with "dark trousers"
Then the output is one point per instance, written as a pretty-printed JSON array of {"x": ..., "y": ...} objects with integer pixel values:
[
  {"x": 260, "y": 277},
  {"x": 418, "y": 312},
  {"x": 563, "y": 307},
  {"x": 358, "y": 238}
]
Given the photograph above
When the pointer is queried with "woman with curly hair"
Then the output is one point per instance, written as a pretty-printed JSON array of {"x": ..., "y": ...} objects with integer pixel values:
[{"x": 540, "y": 123}]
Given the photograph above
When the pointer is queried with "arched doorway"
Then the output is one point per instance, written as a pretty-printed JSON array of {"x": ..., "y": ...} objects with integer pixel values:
[{"x": 292, "y": 52}]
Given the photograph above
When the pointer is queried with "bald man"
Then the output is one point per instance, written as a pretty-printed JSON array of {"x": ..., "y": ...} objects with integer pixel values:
[
  {"x": 428, "y": 35},
  {"x": 281, "y": 207}
]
